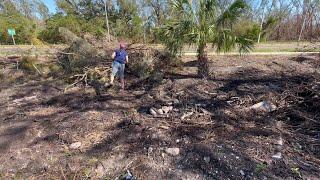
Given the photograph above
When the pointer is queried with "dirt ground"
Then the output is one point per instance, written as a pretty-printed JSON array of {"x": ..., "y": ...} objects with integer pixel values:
[{"x": 211, "y": 132}]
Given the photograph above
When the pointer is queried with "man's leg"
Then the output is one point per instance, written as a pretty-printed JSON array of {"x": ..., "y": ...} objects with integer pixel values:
[
  {"x": 111, "y": 78},
  {"x": 122, "y": 76},
  {"x": 113, "y": 73},
  {"x": 115, "y": 69},
  {"x": 122, "y": 83}
]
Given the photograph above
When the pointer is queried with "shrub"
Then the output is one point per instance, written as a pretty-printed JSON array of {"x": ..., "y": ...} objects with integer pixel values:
[
  {"x": 74, "y": 23},
  {"x": 26, "y": 29},
  {"x": 54, "y": 69},
  {"x": 28, "y": 64}
]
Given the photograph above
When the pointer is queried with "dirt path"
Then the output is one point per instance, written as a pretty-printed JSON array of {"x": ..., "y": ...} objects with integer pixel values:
[{"x": 210, "y": 133}]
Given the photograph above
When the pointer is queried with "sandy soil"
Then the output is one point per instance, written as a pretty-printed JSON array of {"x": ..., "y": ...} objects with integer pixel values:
[{"x": 211, "y": 132}]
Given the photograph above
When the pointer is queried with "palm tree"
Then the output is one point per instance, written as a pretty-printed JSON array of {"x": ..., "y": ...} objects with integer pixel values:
[{"x": 202, "y": 22}]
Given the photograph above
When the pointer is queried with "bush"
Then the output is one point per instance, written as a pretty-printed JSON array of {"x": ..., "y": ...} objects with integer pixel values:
[
  {"x": 54, "y": 69},
  {"x": 51, "y": 33},
  {"x": 75, "y": 24},
  {"x": 28, "y": 64},
  {"x": 25, "y": 29},
  {"x": 248, "y": 28}
]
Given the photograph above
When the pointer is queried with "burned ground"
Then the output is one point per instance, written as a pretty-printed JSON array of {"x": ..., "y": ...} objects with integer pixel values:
[{"x": 219, "y": 136}]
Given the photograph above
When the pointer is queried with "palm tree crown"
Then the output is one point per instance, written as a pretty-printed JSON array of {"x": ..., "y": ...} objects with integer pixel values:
[{"x": 202, "y": 22}]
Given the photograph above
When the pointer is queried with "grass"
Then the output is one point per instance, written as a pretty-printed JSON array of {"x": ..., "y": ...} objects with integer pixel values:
[
  {"x": 28, "y": 50},
  {"x": 265, "y": 47},
  {"x": 272, "y": 50}
]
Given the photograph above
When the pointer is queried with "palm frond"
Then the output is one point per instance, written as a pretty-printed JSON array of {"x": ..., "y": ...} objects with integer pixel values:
[
  {"x": 175, "y": 33},
  {"x": 183, "y": 8},
  {"x": 271, "y": 22},
  {"x": 224, "y": 40},
  {"x": 210, "y": 6},
  {"x": 244, "y": 44},
  {"x": 231, "y": 15},
  {"x": 198, "y": 22}
]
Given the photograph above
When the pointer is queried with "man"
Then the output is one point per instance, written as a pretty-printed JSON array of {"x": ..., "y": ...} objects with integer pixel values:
[{"x": 120, "y": 57}]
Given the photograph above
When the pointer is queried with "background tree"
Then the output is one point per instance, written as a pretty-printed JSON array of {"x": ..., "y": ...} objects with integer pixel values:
[
  {"x": 42, "y": 10},
  {"x": 12, "y": 17},
  {"x": 159, "y": 10},
  {"x": 139, "y": 20},
  {"x": 128, "y": 23}
]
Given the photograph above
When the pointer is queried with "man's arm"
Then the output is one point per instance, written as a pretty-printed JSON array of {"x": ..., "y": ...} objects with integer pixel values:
[
  {"x": 127, "y": 58},
  {"x": 113, "y": 55}
]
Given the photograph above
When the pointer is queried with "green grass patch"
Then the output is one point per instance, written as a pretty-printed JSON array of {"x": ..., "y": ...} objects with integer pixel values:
[
  {"x": 263, "y": 50},
  {"x": 261, "y": 167}
]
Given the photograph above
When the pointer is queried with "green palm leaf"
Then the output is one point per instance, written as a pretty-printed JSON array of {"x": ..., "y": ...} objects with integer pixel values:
[
  {"x": 230, "y": 16},
  {"x": 201, "y": 22}
]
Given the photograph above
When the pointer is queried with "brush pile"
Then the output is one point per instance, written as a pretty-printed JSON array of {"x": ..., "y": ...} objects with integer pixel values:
[
  {"x": 94, "y": 77},
  {"x": 84, "y": 55},
  {"x": 145, "y": 61},
  {"x": 302, "y": 108},
  {"x": 79, "y": 54}
]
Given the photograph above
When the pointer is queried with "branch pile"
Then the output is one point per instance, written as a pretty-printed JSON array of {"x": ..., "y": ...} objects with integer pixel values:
[
  {"x": 79, "y": 54},
  {"x": 313, "y": 60},
  {"x": 144, "y": 61},
  {"x": 95, "y": 77},
  {"x": 84, "y": 54},
  {"x": 303, "y": 103}
]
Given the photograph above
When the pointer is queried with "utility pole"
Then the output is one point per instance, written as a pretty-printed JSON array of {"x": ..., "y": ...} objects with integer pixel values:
[{"x": 107, "y": 20}]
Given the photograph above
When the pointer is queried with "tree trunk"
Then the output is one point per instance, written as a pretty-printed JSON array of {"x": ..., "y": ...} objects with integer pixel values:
[
  {"x": 203, "y": 66},
  {"x": 261, "y": 26},
  {"x": 107, "y": 19},
  {"x": 302, "y": 28}
]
